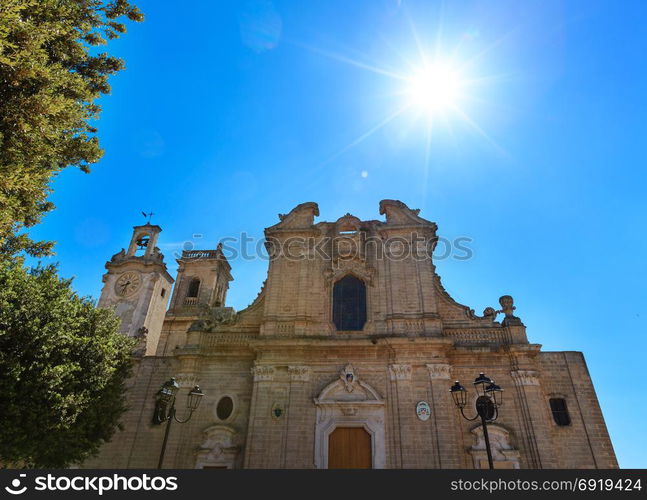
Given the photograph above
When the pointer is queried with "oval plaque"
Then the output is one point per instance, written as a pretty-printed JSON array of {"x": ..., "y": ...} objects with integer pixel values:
[{"x": 423, "y": 410}]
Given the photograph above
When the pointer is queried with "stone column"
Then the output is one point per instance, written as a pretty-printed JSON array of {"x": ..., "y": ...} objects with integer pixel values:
[
  {"x": 259, "y": 416},
  {"x": 299, "y": 446},
  {"x": 449, "y": 447},
  {"x": 400, "y": 375},
  {"x": 533, "y": 404}
]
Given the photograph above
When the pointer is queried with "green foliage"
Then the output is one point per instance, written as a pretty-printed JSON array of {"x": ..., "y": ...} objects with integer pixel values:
[
  {"x": 63, "y": 367},
  {"x": 49, "y": 80}
]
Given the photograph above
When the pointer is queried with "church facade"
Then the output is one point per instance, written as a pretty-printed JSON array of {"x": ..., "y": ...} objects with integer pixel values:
[{"x": 344, "y": 359}]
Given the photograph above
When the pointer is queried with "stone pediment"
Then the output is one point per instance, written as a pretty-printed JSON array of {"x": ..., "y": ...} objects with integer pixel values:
[
  {"x": 348, "y": 388},
  {"x": 348, "y": 222}
]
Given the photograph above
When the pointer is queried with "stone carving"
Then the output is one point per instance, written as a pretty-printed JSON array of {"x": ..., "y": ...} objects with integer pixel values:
[
  {"x": 300, "y": 217},
  {"x": 285, "y": 328},
  {"x": 262, "y": 373},
  {"x": 348, "y": 377},
  {"x": 343, "y": 267},
  {"x": 423, "y": 411},
  {"x": 400, "y": 372},
  {"x": 347, "y": 388},
  {"x": 348, "y": 223},
  {"x": 507, "y": 308},
  {"x": 439, "y": 371},
  {"x": 278, "y": 410},
  {"x": 213, "y": 317},
  {"x": 525, "y": 377},
  {"x": 187, "y": 380},
  {"x": 397, "y": 213},
  {"x": 142, "y": 341},
  {"x": 489, "y": 312},
  {"x": 349, "y": 410},
  {"x": 503, "y": 453},
  {"x": 414, "y": 326},
  {"x": 218, "y": 447},
  {"x": 299, "y": 373},
  {"x": 507, "y": 305}
]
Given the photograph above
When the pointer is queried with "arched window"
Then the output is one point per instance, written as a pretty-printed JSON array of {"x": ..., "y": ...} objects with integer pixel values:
[
  {"x": 349, "y": 303},
  {"x": 194, "y": 288},
  {"x": 142, "y": 244},
  {"x": 560, "y": 411}
]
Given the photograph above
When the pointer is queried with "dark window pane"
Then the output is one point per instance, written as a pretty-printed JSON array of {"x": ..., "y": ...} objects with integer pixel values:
[
  {"x": 349, "y": 303},
  {"x": 224, "y": 408},
  {"x": 194, "y": 287},
  {"x": 560, "y": 412}
]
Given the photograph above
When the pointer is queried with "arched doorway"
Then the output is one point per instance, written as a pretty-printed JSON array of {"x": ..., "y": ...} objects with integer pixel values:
[{"x": 349, "y": 448}]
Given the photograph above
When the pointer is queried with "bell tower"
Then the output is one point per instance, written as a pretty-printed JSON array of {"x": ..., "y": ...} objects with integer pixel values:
[{"x": 137, "y": 285}]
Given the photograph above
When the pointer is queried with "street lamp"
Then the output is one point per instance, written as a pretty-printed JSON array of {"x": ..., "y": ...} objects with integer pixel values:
[
  {"x": 165, "y": 409},
  {"x": 487, "y": 405}
]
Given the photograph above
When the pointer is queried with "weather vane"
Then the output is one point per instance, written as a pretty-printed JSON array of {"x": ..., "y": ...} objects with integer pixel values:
[{"x": 149, "y": 215}]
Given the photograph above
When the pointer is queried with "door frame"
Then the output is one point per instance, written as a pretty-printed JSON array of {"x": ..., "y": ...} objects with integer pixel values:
[
  {"x": 349, "y": 404},
  {"x": 323, "y": 439}
]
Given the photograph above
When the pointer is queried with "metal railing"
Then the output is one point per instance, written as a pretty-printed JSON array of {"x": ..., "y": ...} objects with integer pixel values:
[{"x": 200, "y": 254}]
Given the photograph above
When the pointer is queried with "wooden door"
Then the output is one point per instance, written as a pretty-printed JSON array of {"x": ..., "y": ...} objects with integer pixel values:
[{"x": 349, "y": 448}]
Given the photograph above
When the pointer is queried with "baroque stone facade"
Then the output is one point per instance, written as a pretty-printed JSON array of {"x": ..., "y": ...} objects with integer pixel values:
[{"x": 351, "y": 330}]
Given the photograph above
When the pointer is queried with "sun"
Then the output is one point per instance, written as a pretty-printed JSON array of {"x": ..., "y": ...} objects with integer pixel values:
[{"x": 436, "y": 88}]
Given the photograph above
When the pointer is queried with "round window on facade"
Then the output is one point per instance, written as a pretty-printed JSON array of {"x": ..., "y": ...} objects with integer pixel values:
[{"x": 224, "y": 408}]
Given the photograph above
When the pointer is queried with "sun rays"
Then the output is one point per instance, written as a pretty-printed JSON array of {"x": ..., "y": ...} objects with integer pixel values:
[{"x": 433, "y": 86}]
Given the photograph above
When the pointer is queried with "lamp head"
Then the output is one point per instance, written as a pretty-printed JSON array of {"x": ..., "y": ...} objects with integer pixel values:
[
  {"x": 480, "y": 383},
  {"x": 194, "y": 398},
  {"x": 168, "y": 390},
  {"x": 459, "y": 394},
  {"x": 495, "y": 392}
]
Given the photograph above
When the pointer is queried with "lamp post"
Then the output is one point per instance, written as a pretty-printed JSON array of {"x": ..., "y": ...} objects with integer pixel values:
[
  {"x": 165, "y": 409},
  {"x": 487, "y": 405}
]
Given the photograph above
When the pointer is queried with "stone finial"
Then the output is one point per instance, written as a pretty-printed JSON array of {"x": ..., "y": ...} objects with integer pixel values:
[
  {"x": 489, "y": 312},
  {"x": 507, "y": 305},
  {"x": 507, "y": 308}
]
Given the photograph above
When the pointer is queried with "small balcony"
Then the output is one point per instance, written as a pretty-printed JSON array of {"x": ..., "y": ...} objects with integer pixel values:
[
  {"x": 190, "y": 301},
  {"x": 200, "y": 254}
]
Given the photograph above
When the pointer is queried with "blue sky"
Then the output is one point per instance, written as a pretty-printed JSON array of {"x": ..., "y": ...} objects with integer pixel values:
[{"x": 231, "y": 112}]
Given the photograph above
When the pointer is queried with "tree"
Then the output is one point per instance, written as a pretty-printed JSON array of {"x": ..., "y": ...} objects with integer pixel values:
[
  {"x": 63, "y": 367},
  {"x": 50, "y": 77}
]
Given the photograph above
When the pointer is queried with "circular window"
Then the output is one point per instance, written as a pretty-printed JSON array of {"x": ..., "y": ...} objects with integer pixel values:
[{"x": 224, "y": 408}]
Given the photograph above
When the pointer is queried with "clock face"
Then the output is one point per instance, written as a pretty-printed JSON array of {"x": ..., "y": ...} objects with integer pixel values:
[{"x": 128, "y": 283}]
